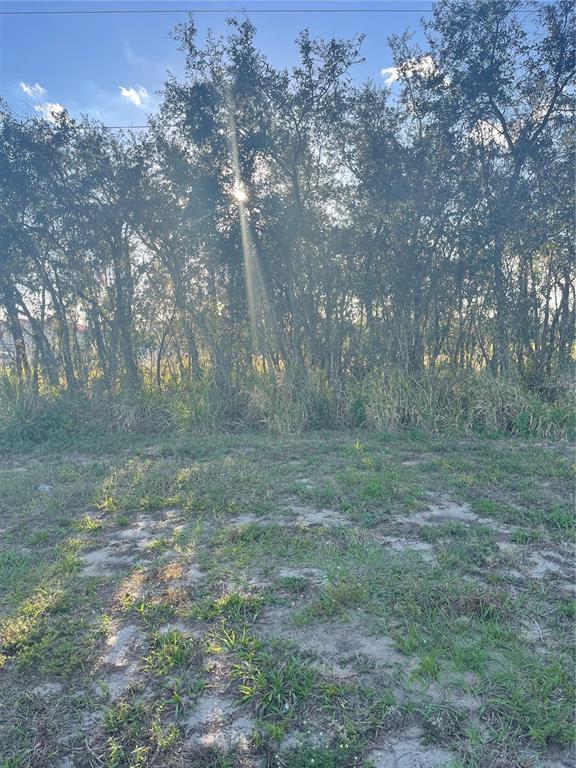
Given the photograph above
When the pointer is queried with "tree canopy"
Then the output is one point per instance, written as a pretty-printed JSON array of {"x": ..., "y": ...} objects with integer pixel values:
[{"x": 270, "y": 219}]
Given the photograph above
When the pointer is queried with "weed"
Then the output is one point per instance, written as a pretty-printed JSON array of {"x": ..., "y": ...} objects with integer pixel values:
[
  {"x": 169, "y": 650},
  {"x": 153, "y": 610},
  {"x": 335, "y": 599},
  {"x": 277, "y": 680},
  {"x": 232, "y": 606}
]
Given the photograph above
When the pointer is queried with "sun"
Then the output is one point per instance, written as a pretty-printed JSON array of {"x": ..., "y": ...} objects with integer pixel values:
[{"x": 239, "y": 194}]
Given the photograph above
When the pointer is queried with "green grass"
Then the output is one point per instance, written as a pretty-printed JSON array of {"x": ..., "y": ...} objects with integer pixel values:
[
  {"x": 465, "y": 617},
  {"x": 277, "y": 680},
  {"x": 137, "y": 734},
  {"x": 169, "y": 650}
]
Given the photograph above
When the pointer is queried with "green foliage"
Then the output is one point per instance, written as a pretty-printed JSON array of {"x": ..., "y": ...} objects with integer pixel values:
[
  {"x": 452, "y": 402},
  {"x": 27, "y": 418},
  {"x": 444, "y": 402},
  {"x": 334, "y": 599},
  {"x": 383, "y": 271},
  {"x": 277, "y": 681},
  {"x": 136, "y": 729},
  {"x": 231, "y": 606},
  {"x": 170, "y": 650},
  {"x": 539, "y": 699}
]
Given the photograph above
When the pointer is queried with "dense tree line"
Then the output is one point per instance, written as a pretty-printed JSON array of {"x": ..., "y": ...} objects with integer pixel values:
[{"x": 271, "y": 219}]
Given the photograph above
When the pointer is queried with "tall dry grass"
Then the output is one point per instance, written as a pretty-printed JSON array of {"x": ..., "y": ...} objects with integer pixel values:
[{"x": 292, "y": 402}]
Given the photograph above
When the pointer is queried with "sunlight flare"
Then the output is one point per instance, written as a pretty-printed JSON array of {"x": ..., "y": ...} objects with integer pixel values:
[
  {"x": 261, "y": 318},
  {"x": 240, "y": 194}
]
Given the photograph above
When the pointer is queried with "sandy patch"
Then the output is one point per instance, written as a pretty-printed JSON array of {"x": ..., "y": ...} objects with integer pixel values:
[
  {"x": 119, "y": 662},
  {"x": 124, "y": 547},
  {"x": 171, "y": 572},
  {"x": 47, "y": 689},
  {"x": 450, "y": 512},
  {"x": 299, "y": 515},
  {"x": 532, "y": 632},
  {"x": 309, "y": 737},
  {"x": 105, "y": 561},
  {"x": 183, "y": 628},
  {"x": 216, "y": 722},
  {"x": 335, "y": 646},
  {"x": 117, "y": 682},
  {"x": 65, "y": 762},
  {"x": 120, "y": 645},
  {"x": 193, "y": 574},
  {"x": 509, "y": 547},
  {"x": 524, "y": 561},
  {"x": 310, "y": 574},
  {"x": 567, "y": 759},
  {"x": 132, "y": 587},
  {"x": 139, "y": 536},
  {"x": 401, "y": 544},
  {"x": 406, "y": 750},
  {"x": 551, "y": 563},
  {"x": 310, "y": 516},
  {"x": 442, "y": 694},
  {"x": 246, "y": 518}
]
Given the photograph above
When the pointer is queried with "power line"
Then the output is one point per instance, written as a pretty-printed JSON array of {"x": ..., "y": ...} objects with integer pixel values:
[
  {"x": 216, "y": 10},
  {"x": 117, "y": 11}
]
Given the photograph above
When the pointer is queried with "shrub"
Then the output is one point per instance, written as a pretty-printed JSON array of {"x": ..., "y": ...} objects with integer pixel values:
[{"x": 292, "y": 401}]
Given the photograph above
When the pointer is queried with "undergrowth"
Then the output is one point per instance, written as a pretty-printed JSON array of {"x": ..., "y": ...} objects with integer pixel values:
[{"x": 435, "y": 402}]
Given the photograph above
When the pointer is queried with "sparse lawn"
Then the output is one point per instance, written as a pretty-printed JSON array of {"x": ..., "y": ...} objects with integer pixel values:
[{"x": 328, "y": 600}]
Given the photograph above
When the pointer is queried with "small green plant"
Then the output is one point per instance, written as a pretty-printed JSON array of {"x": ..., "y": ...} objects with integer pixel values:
[
  {"x": 87, "y": 523},
  {"x": 335, "y": 599},
  {"x": 152, "y": 610},
  {"x": 158, "y": 545},
  {"x": 428, "y": 667},
  {"x": 169, "y": 650},
  {"x": 276, "y": 680},
  {"x": 233, "y": 606},
  {"x": 125, "y": 719}
]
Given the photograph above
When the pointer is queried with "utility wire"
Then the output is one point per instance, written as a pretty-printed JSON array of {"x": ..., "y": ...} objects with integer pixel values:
[
  {"x": 217, "y": 10},
  {"x": 116, "y": 11}
]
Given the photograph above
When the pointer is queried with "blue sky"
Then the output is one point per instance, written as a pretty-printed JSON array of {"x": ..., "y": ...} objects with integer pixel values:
[{"x": 110, "y": 66}]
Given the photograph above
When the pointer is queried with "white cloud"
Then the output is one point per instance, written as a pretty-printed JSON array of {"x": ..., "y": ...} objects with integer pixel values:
[
  {"x": 422, "y": 66},
  {"x": 32, "y": 90},
  {"x": 49, "y": 111},
  {"x": 136, "y": 96},
  {"x": 390, "y": 73}
]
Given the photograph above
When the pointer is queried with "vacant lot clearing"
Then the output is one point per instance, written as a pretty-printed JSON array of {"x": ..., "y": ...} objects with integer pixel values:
[{"x": 329, "y": 600}]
